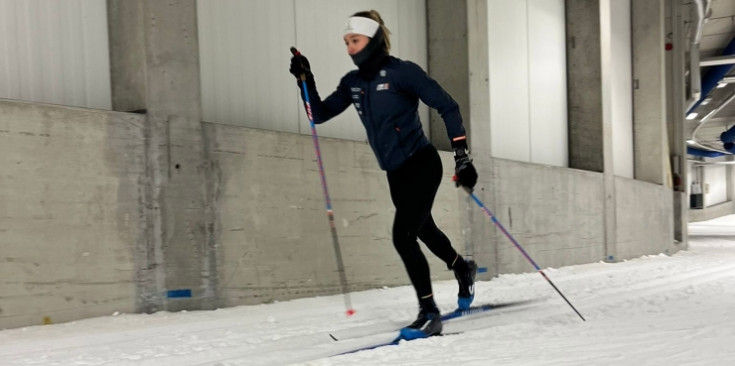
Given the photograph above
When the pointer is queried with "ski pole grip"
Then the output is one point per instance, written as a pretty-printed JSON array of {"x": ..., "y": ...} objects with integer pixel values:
[{"x": 296, "y": 52}]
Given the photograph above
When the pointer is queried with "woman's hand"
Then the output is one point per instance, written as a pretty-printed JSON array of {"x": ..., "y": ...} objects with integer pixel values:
[
  {"x": 464, "y": 172},
  {"x": 300, "y": 66}
]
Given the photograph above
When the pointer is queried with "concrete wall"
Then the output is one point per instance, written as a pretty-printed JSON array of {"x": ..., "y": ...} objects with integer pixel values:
[
  {"x": 645, "y": 225},
  {"x": 74, "y": 217},
  {"x": 712, "y": 212},
  {"x": 275, "y": 242},
  {"x": 155, "y": 69},
  {"x": 556, "y": 214},
  {"x": 708, "y": 176},
  {"x": 70, "y": 208},
  {"x": 715, "y": 184},
  {"x": 272, "y": 222}
]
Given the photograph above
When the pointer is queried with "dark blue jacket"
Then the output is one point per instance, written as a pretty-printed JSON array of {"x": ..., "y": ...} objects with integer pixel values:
[{"x": 388, "y": 108}]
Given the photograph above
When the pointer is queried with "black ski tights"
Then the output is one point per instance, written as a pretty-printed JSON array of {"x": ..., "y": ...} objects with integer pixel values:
[{"x": 413, "y": 187}]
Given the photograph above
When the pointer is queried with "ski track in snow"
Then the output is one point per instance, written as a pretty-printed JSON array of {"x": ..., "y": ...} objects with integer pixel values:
[{"x": 654, "y": 310}]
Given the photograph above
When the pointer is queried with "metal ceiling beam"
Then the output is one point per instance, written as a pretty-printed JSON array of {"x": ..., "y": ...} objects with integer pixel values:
[{"x": 717, "y": 60}]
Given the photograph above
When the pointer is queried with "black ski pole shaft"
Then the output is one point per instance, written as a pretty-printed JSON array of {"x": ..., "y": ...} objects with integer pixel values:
[
  {"x": 330, "y": 215},
  {"x": 513, "y": 240}
]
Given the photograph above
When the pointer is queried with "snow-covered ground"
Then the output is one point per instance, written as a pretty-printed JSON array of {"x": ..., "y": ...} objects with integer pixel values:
[{"x": 656, "y": 310}]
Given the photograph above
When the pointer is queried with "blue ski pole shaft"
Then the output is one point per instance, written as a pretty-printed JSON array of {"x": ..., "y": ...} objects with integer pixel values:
[
  {"x": 330, "y": 214},
  {"x": 513, "y": 240}
]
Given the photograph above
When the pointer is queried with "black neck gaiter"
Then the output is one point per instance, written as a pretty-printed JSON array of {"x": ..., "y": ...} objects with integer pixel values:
[{"x": 372, "y": 57}]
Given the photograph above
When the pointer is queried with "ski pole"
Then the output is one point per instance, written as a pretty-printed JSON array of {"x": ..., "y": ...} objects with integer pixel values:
[
  {"x": 330, "y": 215},
  {"x": 507, "y": 234}
]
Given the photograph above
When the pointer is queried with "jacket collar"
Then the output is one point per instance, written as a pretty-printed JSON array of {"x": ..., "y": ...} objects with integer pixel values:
[{"x": 369, "y": 69}]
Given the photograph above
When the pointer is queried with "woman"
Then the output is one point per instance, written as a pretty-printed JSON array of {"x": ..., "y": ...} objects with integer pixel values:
[{"x": 385, "y": 92}]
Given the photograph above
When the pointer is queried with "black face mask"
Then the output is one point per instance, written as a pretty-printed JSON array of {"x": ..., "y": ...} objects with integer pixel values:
[{"x": 377, "y": 42}]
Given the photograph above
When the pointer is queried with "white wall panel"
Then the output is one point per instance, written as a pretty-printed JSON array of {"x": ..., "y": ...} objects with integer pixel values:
[
  {"x": 622, "y": 88},
  {"x": 55, "y": 52},
  {"x": 245, "y": 80},
  {"x": 527, "y": 65},
  {"x": 548, "y": 82},
  {"x": 715, "y": 184},
  {"x": 244, "y": 60},
  {"x": 509, "y": 79}
]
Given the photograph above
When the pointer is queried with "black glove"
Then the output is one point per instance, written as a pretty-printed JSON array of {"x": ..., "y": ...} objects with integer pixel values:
[
  {"x": 300, "y": 66},
  {"x": 464, "y": 172}
]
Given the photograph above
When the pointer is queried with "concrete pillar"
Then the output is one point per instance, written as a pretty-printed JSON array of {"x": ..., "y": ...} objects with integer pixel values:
[
  {"x": 704, "y": 182},
  {"x": 649, "y": 92},
  {"x": 611, "y": 221},
  {"x": 730, "y": 182},
  {"x": 675, "y": 118},
  {"x": 479, "y": 78},
  {"x": 125, "y": 23},
  {"x": 482, "y": 234},
  {"x": 589, "y": 65},
  {"x": 584, "y": 85},
  {"x": 447, "y": 48},
  {"x": 459, "y": 29},
  {"x": 155, "y": 69},
  {"x": 730, "y": 176}
]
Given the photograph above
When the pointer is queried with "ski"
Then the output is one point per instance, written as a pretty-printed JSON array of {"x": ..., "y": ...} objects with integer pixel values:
[
  {"x": 388, "y": 328},
  {"x": 394, "y": 342},
  {"x": 473, "y": 310},
  {"x": 389, "y": 338}
]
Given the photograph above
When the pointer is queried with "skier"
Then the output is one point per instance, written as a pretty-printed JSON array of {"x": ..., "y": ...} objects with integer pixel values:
[{"x": 385, "y": 91}]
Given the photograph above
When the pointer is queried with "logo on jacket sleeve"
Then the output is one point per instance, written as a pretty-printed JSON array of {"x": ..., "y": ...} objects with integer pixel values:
[{"x": 384, "y": 86}]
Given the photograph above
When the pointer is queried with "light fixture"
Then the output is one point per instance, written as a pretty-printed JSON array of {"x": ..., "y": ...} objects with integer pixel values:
[
  {"x": 706, "y": 101},
  {"x": 691, "y": 142},
  {"x": 721, "y": 84},
  {"x": 692, "y": 115}
]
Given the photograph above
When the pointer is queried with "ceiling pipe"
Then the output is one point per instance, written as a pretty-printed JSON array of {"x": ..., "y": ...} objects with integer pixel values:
[
  {"x": 718, "y": 60},
  {"x": 695, "y": 77},
  {"x": 715, "y": 75},
  {"x": 702, "y": 10},
  {"x": 700, "y": 162},
  {"x": 703, "y": 153},
  {"x": 706, "y": 118}
]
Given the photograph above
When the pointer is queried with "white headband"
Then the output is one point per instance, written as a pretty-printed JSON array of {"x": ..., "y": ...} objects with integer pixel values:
[{"x": 361, "y": 25}]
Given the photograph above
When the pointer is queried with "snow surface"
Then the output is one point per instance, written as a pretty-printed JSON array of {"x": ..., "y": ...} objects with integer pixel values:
[{"x": 654, "y": 310}]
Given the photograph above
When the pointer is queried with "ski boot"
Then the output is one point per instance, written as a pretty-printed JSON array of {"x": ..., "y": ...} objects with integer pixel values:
[
  {"x": 464, "y": 272},
  {"x": 427, "y": 324}
]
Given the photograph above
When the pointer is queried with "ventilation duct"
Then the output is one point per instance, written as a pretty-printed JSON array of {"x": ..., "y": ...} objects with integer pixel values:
[{"x": 703, "y": 153}]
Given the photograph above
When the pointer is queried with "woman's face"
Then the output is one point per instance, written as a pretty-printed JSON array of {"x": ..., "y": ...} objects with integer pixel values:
[{"x": 355, "y": 43}]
